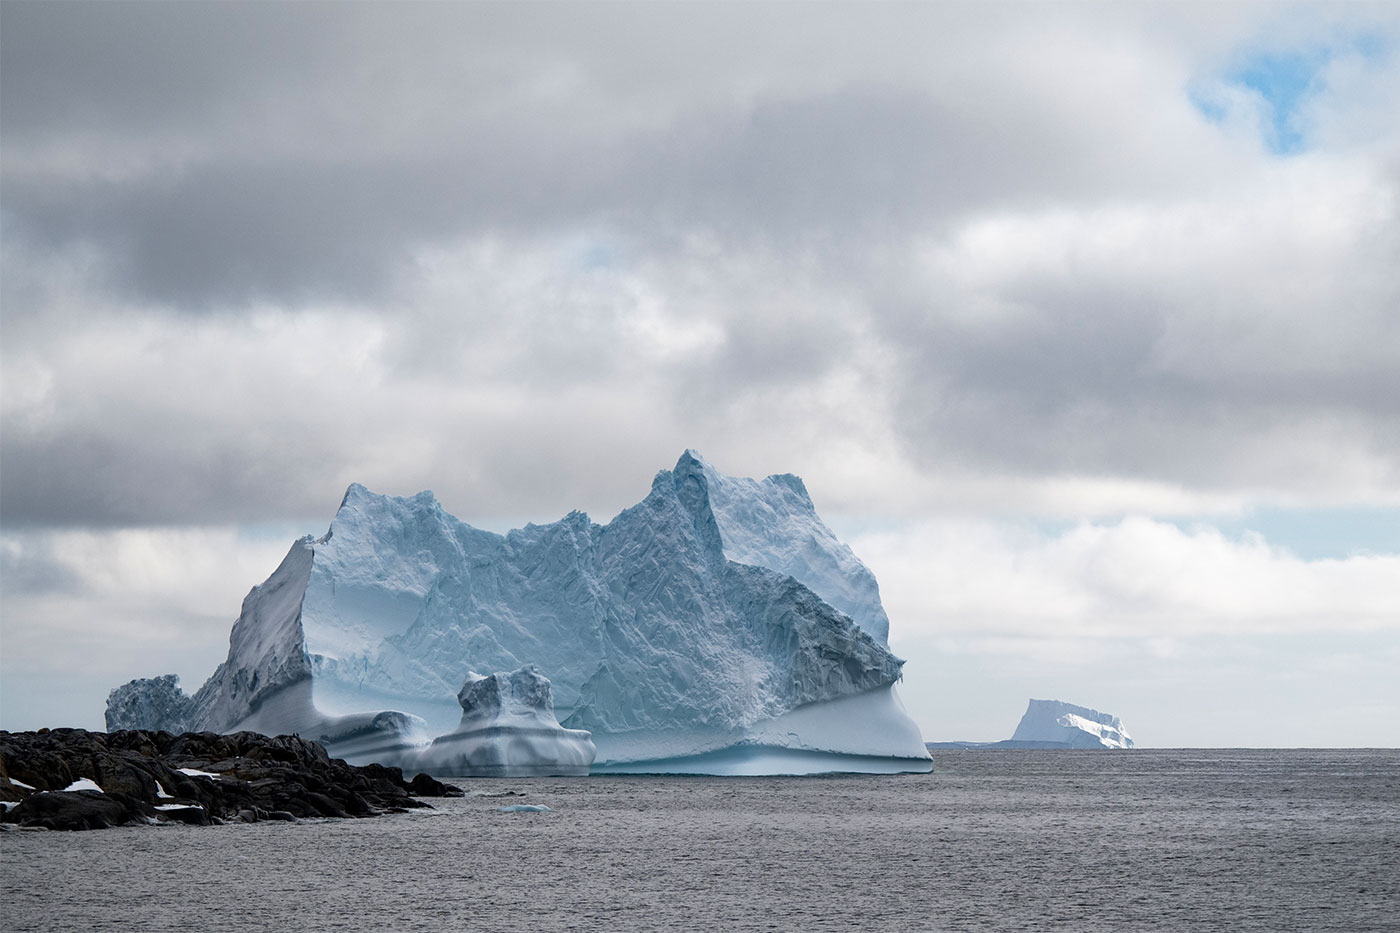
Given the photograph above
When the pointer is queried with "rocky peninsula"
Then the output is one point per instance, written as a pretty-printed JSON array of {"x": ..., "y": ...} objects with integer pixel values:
[{"x": 74, "y": 779}]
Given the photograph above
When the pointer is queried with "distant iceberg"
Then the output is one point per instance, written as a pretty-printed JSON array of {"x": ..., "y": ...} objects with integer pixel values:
[
  {"x": 1074, "y": 726},
  {"x": 1056, "y": 724},
  {"x": 718, "y": 626}
]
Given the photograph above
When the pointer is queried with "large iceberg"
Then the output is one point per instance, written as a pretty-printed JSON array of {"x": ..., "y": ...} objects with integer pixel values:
[
  {"x": 1070, "y": 725},
  {"x": 717, "y": 626}
]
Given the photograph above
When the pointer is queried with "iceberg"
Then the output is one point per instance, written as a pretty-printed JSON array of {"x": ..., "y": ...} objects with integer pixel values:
[
  {"x": 1073, "y": 726},
  {"x": 508, "y": 729},
  {"x": 717, "y": 626}
]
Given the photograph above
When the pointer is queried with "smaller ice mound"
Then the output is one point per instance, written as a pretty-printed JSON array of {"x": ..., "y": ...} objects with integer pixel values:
[
  {"x": 158, "y": 701},
  {"x": 1070, "y": 725},
  {"x": 389, "y": 736},
  {"x": 508, "y": 729}
]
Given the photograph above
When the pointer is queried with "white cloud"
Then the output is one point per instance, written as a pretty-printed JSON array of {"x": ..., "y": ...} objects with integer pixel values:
[
  {"x": 86, "y": 611},
  {"x": 1136, "y": 579}
]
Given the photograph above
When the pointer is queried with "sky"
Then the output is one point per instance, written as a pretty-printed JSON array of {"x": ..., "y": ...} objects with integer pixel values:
[{"x": 1080, "y": 321}]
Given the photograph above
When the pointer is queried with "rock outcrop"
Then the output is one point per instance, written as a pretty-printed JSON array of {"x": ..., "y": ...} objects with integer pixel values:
[{"x": 74, "y": 779}]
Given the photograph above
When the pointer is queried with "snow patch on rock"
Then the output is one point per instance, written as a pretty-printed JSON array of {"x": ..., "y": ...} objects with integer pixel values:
[{"x": 84, "y": 784}]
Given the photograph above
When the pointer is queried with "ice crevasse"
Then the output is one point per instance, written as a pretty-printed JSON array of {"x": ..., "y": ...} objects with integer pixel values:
[{"x": 718, "y": 626}]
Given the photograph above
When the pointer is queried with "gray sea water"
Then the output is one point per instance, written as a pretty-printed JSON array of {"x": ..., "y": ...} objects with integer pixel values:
[{"x": 991, "y": 840}]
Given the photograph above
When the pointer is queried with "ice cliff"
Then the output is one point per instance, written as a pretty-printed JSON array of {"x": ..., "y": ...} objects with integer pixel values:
[
  {"x": 1074, "y": 726},
  {"x": 717, "y": 625}
]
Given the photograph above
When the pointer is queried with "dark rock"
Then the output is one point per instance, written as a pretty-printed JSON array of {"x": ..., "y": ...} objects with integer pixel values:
[
  {"x": 256, "y": 778},
  {"x": 193, "y": 815},
  {"x": 423, "y": 785},
  {"x": 12, "y": 793},
  {"x": 301, "y": 809},
  {"x": 79, "y": 809},
  {"x": 324, "y": 805}
]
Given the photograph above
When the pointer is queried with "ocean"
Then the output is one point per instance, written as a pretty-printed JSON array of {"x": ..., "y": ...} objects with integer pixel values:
[{"x": 1172, "y": 840}]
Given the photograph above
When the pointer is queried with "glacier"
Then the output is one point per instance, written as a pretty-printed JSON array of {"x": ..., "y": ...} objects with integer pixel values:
[
  {"x": 1054, "y": 721},
  {"x": 718, "y": 626}
]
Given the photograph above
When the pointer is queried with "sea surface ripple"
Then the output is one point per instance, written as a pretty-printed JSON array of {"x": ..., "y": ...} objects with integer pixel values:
[{"x": 1229, "y": 840}]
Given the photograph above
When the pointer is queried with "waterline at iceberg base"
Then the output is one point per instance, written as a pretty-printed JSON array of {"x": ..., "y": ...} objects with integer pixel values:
[{"x": 718, "y": 626}]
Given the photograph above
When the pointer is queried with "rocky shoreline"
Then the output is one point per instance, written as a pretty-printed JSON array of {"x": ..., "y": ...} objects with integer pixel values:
[{"x": 73, "y": 779}]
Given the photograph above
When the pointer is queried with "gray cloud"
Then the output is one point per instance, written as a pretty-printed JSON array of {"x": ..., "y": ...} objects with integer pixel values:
[
  {"x": 845, "y": 169},
  {"x": 91, "y": 477},
  {"x": 218, "y": 155},
  {"x": 658, "y": 227},
  {"x": 29, "y": 570},
  {"x": 1254, "y": 378}
]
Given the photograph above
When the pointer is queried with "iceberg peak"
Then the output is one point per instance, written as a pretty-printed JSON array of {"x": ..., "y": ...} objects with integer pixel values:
[
  {"x": 521, "y": 693},
  {"x": 358, "y": 495},
  {"x": 353, "y": 491},
  {"x": 794, "y": 484}
]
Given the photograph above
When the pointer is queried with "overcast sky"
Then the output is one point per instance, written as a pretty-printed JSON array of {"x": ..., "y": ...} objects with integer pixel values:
[{"x": 1081, "y": 322}]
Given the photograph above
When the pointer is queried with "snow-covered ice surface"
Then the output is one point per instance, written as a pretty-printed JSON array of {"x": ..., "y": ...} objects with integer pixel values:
[
  {"x": 19, "y": 783},
  {"x": 1076, "y": 726},
  {"x": 508, "y": 729},
  {"x": 195, "y": 772},
  {"x": 772, "y": 523},
  {"x": 718, "y": 613}
]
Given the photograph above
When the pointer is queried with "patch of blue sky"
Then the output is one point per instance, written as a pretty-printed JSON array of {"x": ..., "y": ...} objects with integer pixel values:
[
  {"x": 1284, "y": 82},
  {"x": 1316, "y": 533},
  {"x": 1310, "y": 534},
  {"x": 597, "y": 256}
]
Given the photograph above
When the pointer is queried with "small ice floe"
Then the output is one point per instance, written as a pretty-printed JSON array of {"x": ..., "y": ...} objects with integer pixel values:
[
  {"x": 524, "y": 808},
  {"x": 179, "y": 806},
  {"x": 161, "y": 794},
  {"x": 19, "y": 783},
  {"x": 195, "y": 772},
  {"x": 84, "y": 784}
]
